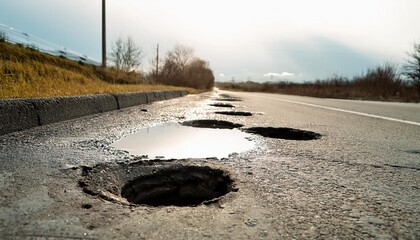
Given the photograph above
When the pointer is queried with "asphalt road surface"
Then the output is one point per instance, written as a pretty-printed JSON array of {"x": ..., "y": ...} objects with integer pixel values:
[{"x": 359, "y": 180}]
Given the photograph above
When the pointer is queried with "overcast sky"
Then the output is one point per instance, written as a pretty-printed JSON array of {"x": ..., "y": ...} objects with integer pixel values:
[{"x": 260, "y": 40}]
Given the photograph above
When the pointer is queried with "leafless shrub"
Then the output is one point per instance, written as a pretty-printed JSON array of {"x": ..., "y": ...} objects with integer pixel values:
[
  {"x": 3, "y": 37},
  {"x": 126, "y": 56},
  {"x": 411, "y": 68}
]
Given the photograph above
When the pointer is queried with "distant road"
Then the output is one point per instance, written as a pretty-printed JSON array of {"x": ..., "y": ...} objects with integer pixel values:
[
  {"x": 363, "y": 132},
  {"x": 408, "y": 113}
]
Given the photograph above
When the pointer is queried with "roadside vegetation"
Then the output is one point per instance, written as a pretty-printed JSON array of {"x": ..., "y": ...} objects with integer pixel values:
[
  {"x": 26, "y": 73},
  {"x": 181, "y": 68},
  {"x": 386, "y": 83}
]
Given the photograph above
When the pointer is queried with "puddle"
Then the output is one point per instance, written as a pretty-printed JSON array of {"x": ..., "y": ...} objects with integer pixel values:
[
  {"x": 284, "y": 133},
  {"x": 175, "y": 141},
  {"x": 235, "y": 113}
]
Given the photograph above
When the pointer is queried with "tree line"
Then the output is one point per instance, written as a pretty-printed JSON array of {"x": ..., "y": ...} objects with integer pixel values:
[
  {"x": 179, "y": 67},
  {"x": 384, "y": 82}
]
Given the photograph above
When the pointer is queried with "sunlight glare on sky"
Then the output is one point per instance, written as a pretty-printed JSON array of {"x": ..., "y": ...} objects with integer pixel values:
[{"x": 241, "y": 39}]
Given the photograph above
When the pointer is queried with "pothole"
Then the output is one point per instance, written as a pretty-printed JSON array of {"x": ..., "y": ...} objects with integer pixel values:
[
  {"x": 156, "y": 183},
  {"x": 230, "y": 99},
  {"x": 223, "y": 95},
  {"x": 180, "y": 186},
  {"x": 235, "y": 113},
  {"x": 212, "y": 124},
  {"x": 284, "y": 133},
  {"x": 87, "y": 206},
  {"x": 414, "y": 151},
  {"x": 224, "y": 105}
]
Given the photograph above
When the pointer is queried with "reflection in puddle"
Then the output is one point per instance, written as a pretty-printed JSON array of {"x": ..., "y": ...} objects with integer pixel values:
[{"x": 175, "y": 141}]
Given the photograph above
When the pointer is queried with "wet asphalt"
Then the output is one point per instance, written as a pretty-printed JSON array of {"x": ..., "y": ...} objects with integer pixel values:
[{"x": 359, "y": 180}]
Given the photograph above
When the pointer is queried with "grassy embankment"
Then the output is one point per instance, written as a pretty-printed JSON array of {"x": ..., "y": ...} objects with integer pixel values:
[
  {"x": 381, "y": 83},
  {"x": 27, "y": 73}
]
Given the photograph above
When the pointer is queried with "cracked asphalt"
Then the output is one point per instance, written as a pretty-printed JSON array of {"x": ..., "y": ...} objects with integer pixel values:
[{"x": 360, "y": 180}]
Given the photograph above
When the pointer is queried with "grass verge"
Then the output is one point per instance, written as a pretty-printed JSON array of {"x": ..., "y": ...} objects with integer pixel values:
[{"x": 28, "y": 73}]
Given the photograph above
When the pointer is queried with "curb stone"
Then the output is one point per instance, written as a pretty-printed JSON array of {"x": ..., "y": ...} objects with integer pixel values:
[{"x": 21, "y": 114}]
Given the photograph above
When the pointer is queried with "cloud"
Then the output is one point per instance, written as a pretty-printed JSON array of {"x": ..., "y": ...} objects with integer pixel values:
[
  {"x": 283, "y": 74},
  {"x": 221, "y": 75}
]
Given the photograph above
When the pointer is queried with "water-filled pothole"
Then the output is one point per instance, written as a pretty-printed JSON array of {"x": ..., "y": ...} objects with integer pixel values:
[
  {"x": 208, "y": 123},
  {"x": 157, "y": 183},
  {"x": 224, "y": 105},
  {"x": 235, "y": 113},
  {"x": 176, "y": 141},
  {"x": 181, "y": 186},
  {"x": 284, "y": 133}
]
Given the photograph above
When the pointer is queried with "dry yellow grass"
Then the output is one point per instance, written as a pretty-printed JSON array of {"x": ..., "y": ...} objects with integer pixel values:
[{"x": 26, "y": 73}]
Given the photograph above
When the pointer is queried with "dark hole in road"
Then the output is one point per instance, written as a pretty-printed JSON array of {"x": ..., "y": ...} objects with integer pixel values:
[
  {"x": 223, "y": 95},
  {"x": 235, "y": 113},
  {"x": 178, "y": 186},
  {"x": 156, "y": 183},
  {"x": 228, "y": 99},
  {"x": 86, "y": 205},
  {"x": 284, "y": 133},
  {"x": 414, "y": 151},
  {"x": 224, "y": 105},
  {"x": 212, "y": 124}
]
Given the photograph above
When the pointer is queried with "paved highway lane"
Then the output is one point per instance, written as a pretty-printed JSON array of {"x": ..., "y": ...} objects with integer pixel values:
[
  {"x": 365, "y": 132},
  {"x": 392, "y": 111},
  {"x": 359, "y": 180}
]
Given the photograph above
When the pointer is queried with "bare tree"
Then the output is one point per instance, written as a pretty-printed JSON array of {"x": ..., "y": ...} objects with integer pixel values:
[
  {"x": 181, "y": 68},
  {"x": 126, "y": 55},
  {"x": 175, "y": 65},
  {"x": 3, "y": 37},
  {"x": 132, "y": 55},
  {"x": 199, "y": 74},
  {"x": 411, "y": 69},
  {"x": 182, "y": 56},
  {"x": 116, "y": 56}
]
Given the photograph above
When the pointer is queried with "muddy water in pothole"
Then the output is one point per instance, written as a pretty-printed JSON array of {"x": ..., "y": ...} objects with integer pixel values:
[{"x": 175, "y": 141}]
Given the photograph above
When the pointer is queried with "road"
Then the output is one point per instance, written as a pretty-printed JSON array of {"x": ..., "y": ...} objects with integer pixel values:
[
  {"x": 391, "y": 130},
  {"x": 359, "y": 180}
]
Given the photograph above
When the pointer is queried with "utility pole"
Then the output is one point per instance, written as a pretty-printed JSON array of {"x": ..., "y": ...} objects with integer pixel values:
[
  {"x": 157, "y": 60},
  {"x": 103, "y": 34}
]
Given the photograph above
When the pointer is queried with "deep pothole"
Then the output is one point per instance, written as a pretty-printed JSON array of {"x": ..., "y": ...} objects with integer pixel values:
[
  {"x": 228, "y": 99},
  {"x": 284, "y": 133},
  {"x": 181, "y": 186},
  {"x": 157, "y": 184},
  {"x": 208, "y": 123},
  {"x": 235, "y": 113},
  {"x": 223, "y": 105}
]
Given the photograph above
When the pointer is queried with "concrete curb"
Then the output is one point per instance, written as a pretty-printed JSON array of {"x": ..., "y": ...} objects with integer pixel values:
[
  {"x": 20, "y": 114},
  {"x": 16, "y": 115}
]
